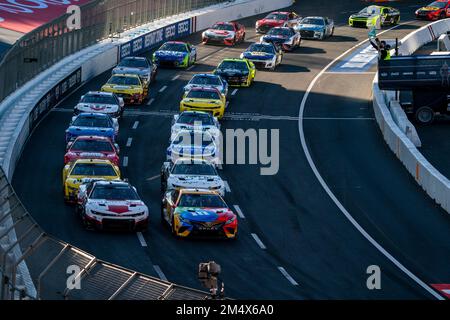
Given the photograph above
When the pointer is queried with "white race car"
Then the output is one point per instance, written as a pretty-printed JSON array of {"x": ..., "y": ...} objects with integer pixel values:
[
  {"x": 195, "y": 120},
  {"x": 100, "y": 102},
  {"x": 191, "y": 174},
  {"x": 195, "y": 145},
  {"x": 207, "y": 80},
  {"x": 105, "y": 204}
]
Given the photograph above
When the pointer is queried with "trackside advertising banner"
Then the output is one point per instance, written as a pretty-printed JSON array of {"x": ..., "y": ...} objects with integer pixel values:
[{"x": 157, "y": 37}]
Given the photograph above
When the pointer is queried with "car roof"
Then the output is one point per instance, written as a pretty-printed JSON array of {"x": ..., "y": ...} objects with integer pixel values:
[
  {"x": 209, "y": 75},
  {"x": 134, "y": 58},
  {"x": 100, "y": 93},
  {"x": 112, "y": 183},
  {"x": 179, "y": 42},
  {"x": 282, "y": 12},
  {"x": 93, "y": 114},
  {"x": 225, "y": 22},
  {"x": 313, "y": 17},
  {"x": 130, "y": 75}
]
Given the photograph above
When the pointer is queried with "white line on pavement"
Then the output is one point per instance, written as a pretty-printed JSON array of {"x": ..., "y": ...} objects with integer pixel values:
[
  {"x": 191, "y": 67},
  {"x": 227, "y": 186},
  {"x": 234, "y": 92},
  {"x": 125, "y": 161},
  {"x": 239, "y": 211},
  {"x": 162, "y": 89},
  {"x": 161, "y": 274},
  {"x": 176, "y": 77},
  {"x": 135, "y": 125},
  {"x": 150, "y": 101},
  {"x": 288, "y": 276},
  {"x": 258, "y": 241},
  {"x": 129, "y": 140},
  {"x": 220, "y": 166},
  {"x": 141, "y": 239}
]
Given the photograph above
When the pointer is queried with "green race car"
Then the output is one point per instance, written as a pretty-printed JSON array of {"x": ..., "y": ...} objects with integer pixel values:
[
  {"x": 175, "y": 54},
  {"x": 374, "y": 16}
]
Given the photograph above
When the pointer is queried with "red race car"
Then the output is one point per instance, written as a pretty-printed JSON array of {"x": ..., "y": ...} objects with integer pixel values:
[
  {"x": 227, "y": 33},
  {"x": 434, "y": 11},
  {"x": 92, "y": 147},
  {"x": 277, "y": 19}
]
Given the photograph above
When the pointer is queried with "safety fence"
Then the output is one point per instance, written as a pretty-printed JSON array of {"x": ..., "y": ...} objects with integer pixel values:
[
  {"x": 100, "y": 19},
  {"x": 59, "y": 271}
]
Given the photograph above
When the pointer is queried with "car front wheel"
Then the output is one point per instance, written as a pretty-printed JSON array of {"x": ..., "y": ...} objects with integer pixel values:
[{"x": 424, "y": 115}]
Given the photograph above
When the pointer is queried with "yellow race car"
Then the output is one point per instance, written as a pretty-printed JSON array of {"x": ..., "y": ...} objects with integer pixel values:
[
  {"x": 84, "y": 170},
  {"x": 131, "y": 87},
  {"x": 208, "y": 99}
]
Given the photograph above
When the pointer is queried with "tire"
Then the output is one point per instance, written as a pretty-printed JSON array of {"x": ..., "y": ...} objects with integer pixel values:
[
  {"x": 424, "y": 115},
  {"x": 243, "y": 38},
  {"x": 332, "y": 32},
  {"x": 442, "y": 16},
  {"x": 86, "y": 225},
  {"x": 172, "y": 228}
]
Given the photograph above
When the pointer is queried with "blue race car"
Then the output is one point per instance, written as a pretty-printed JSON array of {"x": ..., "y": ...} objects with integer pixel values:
[
  {"x": 285, "y": 38},
  {"x": 315, "y": 28},
  {"x": 175, "y": 54},
  {"x": 263, "y": 55},
  {"x": 92, "y": 124}
]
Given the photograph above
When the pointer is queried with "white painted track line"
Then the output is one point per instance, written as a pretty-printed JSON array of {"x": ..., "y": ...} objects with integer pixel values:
[
  {"x": 176, "y": 77},
  {"x": 288, "y": 276},
  {"x": 239, "y": 211},
  {"x": 258, "y": 241},
  {"x": 161, "y": 274},
  {"x": 125, "y": 161},
  {"x": 190, "y": 68},
  {"x": 135, "y": 125},
  {"x": 227, "y": 186},
  {"x": 141, "y": 239},
  {"x": 150, "y": 101},
  {"x": 129, "y": 141},
  {"x": 234, "y": 92},
  {"x": 162, "y": 89},
  {"x": 327, "y": 188}
]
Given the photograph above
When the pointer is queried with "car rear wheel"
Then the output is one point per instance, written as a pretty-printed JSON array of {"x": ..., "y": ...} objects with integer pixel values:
[
  {"x": 424, "y": 115},
  {"x": 442, "y": 15},
  {"x": 172, "y": 228}
]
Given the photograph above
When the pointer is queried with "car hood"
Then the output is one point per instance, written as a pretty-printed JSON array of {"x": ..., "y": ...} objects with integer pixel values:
[
  {"x": 95, "y": 107},
  {"x": 310, "y": 27},
  {"x": 204, "y": 214},
  {"x": 274, "y": 38},
  {"x": 229, "y": 72},
  {"x": 363, "y": 16},
  {"x": 127, "y": 70},
  {"x": 190, "y": 86},
  {"x": 170, "y": 54},
  {"x": 223, "y": 33},
  {"x": 429, "y": 9}
]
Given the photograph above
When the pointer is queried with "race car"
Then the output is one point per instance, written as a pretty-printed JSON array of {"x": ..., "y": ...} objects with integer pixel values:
[
  {"x": 175, "y": 54},
  {"x": 263, "y": 55},
  {"x": 315, "y": 28},
  {"x": 92, "y": 147},
  {"x": 137, "y": 65},
  {"x": 204, "y": 99},
  {"x": 374, "y": 16},
  {"x": 92, "y": 124},
  {"x": 84, "y": 170},
  {"x": 195, "y": 145},
  {"x": 434, "y": 11},
  {"x": 100, "y": 102},
  {"x": 186, "y": 173},
  {"x": 190, "y": 212},
  {"x": 195, "y": 120},
  {"x": 227, "y": 33},
  {"x": 236, "y": 72},
  {"x": 285, "y": 38},
  {"x": 111, "y": 205},
  {"x": 277, "y": 19},
  {"x": 128, "y": 86},
  {"x": 207, "y": 80}
]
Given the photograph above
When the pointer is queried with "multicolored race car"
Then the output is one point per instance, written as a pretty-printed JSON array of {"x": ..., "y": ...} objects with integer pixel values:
[
  {"x": 131, "y": 87},
  {"x": 92, "y": 147},
  {"x": 434, "y": 11},
  {"x": 175, "y": 54},
  {"x": 100, "y": 102},
  {"x": 92, "y": 124},
  {"x": 277, "y": 19},
  {"x": 204, "y": 99},
  {"x": 263, "y": 55},
  {"x": 374, "y": 16},
  {"x": 111, "y": 205},
  {"x": 237, "y": 72},
  {"x": 191, "y": 212},
  {"x": 285, "y": 38},
  {"x": 227, "y": 33},
  {"x": 84, "y": 170}
]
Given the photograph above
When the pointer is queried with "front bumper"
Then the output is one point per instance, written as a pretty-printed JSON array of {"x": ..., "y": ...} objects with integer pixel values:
[
  {"x": 171, "y": 63},
  {"x": 427, "y": 16},
  {"x": 263, "y": 28},
  {"x": 218, "y": 40},
  {"x": 358, "y": 23},
  {"x": 122, "y": 223},
  {"x": 216, "y": 111},
  {"x": 192, "y": 229},
  {"x": 116, "y": 114},
  {"x": 310, "y": 34},
  {"x": 263, "y": 64},
  {"x": 237, "y": 81}
]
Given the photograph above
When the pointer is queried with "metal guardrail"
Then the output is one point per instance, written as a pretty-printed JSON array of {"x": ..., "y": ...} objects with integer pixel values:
[
  {"x": 48, "y": 260},
  {"x": 100, "y": 19}
]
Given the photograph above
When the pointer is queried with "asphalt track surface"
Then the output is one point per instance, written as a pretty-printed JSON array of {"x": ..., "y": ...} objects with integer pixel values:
[{"x": 310, "y": 250}]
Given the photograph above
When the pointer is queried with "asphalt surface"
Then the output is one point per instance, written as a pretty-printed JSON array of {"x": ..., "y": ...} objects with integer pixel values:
[{"x": 303, "y": 232}]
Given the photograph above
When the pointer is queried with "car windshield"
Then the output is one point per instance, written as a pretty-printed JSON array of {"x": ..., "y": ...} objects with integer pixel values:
[
  {"x": 93, "y": 169},
  {"x": 223, "y": 26},
  {"x": 193, "y": 138},
  {"x": 370, "y": 10},
  {"x": 203, "y": 94},
  {"x": 277, "y": 16},
  {"x": 199, "y": 200},
  {"x": 314, "y": 21},
  {"x": 205, "y": 80},
  {"x": 438, "y": 4},
  {"x": 99, "y": 98},
  {"x": 133, "y": 63},
  {"x": 173, "y": 46},
  {"x": 191, "y": 118},
  {"x": 233, "y": 65},
  {"x": 124, "y": 81},
  {"x": 92, "y": 146},
  {"x": 279, "y": 32},
  {"x": 91, "y": 121},
  {"x": 114, "y": 192},
  {"x": 258, "y": 47},
  {"x": 198, "y": 169}
]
